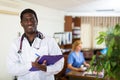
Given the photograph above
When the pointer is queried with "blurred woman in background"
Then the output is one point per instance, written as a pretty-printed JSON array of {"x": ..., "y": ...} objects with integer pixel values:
[{"x": 76, "y": 58}]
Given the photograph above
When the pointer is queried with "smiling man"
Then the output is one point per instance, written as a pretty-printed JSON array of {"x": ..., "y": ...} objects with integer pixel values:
[{"x": 22, "y": 52}]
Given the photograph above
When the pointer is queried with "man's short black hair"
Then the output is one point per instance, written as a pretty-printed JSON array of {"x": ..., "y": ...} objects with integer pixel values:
[{"x": 28, "y": 11}]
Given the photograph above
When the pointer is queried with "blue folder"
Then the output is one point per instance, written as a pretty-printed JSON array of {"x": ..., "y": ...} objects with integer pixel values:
[{"x": 50, "y": 60}]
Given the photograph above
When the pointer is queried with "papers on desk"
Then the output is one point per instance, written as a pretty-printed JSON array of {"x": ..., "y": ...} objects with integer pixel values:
[
  {"x": 94, "y": 74},
  {"x": 50, "y": 60}
]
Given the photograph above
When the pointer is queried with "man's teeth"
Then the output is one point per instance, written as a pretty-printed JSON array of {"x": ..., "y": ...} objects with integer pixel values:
[{"x": 29, "y": 26}]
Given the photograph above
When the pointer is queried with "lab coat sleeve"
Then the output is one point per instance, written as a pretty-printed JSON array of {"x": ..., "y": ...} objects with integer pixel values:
[
  {"x": 14, "y": 64},
  {"x": 54, "y": 50}
]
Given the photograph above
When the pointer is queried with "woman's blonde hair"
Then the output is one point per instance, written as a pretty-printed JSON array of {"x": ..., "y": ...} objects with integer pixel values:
[{"x": 75, "y": 44}]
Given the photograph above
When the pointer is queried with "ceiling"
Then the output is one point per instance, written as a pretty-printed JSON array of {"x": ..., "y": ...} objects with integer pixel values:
[
  {"x": 80, "y": 5},
  {"x": 73, "y": 7}
]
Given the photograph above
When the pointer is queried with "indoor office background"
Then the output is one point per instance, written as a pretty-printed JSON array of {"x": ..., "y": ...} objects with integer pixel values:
[{"x": 51, "y": 20}]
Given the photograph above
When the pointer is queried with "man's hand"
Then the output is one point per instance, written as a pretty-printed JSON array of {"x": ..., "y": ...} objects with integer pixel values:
[{"x": 42, "y": 66}]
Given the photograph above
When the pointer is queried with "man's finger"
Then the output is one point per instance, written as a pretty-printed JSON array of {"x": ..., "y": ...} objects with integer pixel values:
[
  {"x": 37, "y": 59},
  {"x": 44, "y": 62}
]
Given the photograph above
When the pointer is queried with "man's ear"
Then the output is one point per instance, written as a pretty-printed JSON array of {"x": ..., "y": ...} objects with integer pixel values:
[{"x": 21, "y": 23}]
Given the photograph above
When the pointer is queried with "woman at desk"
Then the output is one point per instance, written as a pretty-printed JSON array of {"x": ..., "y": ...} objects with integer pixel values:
[{"x": 76, "y": 58}]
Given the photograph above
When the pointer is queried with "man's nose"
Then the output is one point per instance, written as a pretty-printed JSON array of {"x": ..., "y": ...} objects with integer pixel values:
[{"x": 30, "y": 22}]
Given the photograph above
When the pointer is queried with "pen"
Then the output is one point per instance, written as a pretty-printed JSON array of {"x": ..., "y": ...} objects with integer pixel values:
[{"x": 37, "y": 54}]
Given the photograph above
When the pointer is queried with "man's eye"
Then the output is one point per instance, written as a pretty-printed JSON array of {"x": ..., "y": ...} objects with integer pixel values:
[
  {"x": 25, "y": 20},
  {"x": 32, "y": 19}
]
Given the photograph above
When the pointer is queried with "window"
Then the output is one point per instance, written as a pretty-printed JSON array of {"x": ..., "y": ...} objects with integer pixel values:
[{"x": 91, "y": 26}]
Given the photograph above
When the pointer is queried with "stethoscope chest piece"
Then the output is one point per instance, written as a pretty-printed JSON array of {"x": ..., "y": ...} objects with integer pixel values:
[{"x": 19, "y": 51}]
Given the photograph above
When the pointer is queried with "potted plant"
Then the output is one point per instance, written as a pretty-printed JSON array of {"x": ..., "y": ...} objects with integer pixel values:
[{"x": 109, "y": 62}]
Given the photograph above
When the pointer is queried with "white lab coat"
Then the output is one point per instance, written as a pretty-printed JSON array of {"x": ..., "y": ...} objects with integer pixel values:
[{"x": 19, "y": 64}]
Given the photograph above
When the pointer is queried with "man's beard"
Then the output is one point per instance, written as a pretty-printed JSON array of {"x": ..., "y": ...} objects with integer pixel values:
[{"x": 31, "y": 32}]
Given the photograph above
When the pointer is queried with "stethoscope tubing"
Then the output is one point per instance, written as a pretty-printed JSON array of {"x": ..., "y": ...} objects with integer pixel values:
[{"x": 38, "y": 34}]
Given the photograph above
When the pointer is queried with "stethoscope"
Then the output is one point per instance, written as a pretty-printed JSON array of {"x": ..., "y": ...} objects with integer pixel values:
[{"x": 38, "y": 34}]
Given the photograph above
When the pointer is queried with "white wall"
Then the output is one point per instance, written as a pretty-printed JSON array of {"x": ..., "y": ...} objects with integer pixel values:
[
  {"x": 50, "y": 21},
  {"x": 9, "y": 27}
]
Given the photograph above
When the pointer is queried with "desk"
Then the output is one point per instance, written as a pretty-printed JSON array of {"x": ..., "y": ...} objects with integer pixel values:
[{"x": 73, "y": 75}]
